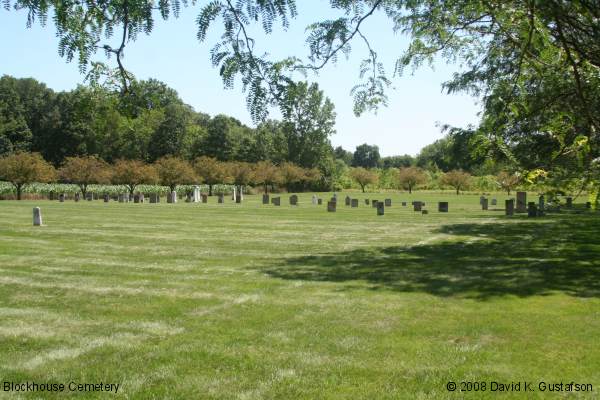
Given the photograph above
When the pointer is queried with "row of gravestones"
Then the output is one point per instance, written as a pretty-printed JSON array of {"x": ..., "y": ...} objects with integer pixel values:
[{"x": 531, "y": 208}]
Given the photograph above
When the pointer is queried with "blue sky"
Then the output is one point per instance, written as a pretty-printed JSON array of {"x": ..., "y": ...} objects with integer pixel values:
[{"x": 173, "y": 55}]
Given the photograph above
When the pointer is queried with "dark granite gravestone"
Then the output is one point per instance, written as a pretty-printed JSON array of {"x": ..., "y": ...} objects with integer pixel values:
[
  {"x": 320, "y": 201},
  {"x": 484, "y": 204},
  {"x": 417, "y": 205},
  {"x": 380, "y": 208},
  {"x": 204, "y": 198},
  {"x": 521, "y": 202},
  {"x": 265, "y": 198},
  {"x": 348, "y": 200},
  {"x": 293, "y": 200},
  {"x": 388, "y": 202},
  {"x": 276, "y": 201},
  {"x": 331, "y": 205},
  {"x": 443, "y": 206},
  {"x": 531, "y": 210},
  {"x": 509, "y": 207},
  {"x": 354, "y": 203},
  {"x": 569, "y": 202},
  {"x": 61, "y": 197}
]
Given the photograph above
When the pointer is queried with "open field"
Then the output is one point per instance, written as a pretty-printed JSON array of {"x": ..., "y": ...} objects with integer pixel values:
[{"x": 248, "y": 301}]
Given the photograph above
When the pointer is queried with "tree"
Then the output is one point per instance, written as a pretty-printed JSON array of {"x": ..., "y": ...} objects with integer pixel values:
[
  {"x": 309, "y": 121},
  {"x": 457, "y": 179},
  {"x": 266, "y": 174},
  {"x": 366, "y": 156},
  {"x": 84, "y": 171},
  {"x": 241, "y": 173},
  {"x": 363, "y": 177},
  {"x": 344, "y": 155},
  {"x": 132, "y": 173},
  {"x": 21, "y": 169},
  {"x": 507, "y": 181},
  {"x": 398, "y": 161},
  {"x": 410, "y": 177},
  {"x": 173, "y": 171},
  {"x": 291, "y": 174},
  {"x": 211, "y": 171}
]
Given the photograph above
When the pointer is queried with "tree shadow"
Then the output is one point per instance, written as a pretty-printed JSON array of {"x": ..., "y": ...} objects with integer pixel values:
[{"x": 522, "y": 258}]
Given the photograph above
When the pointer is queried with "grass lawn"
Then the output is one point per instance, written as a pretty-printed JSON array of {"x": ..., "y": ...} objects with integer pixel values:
[{"x": 208, "y": 301}]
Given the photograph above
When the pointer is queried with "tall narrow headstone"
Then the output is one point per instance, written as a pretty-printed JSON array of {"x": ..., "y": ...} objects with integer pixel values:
[
  {"x": 265, "y": 199},
  {"x": 196, "y": 194},
  {"x": 443, "y": 206},
  {"x": 331, "y": 205},
  {"x": 484, "y": 204},
  {"x": 61, "y": 197},
  {"x": 106, "y": 197},
  {"x": 314, "y": 199},
  {"x": 240, "y": 196},
  {"x": 531, "y": 209},
  {"x": 388, "y": 202},
  {"x": 77, "y": 196},
  {"x": 541, "y": 205},
  {"x": 293, "y": 200},
  {"x": 380, "y": 208},
  {"x": 174, "y": 196},
  {"x": 354, "y": 203},
  {"x": 221, "y": 198},
  {"x": 234, "y": 194},
  {"x": 37, "y": 216},
  {"x": 51, "y": 195},
  {"x": 347, "y": 200},
  {"x": 569, "y": 202},
  {"x": 521, "y": 202},
  {"x": 509, "y": 207}
]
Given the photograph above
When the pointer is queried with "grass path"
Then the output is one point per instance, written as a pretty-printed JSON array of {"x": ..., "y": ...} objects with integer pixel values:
[{"x": 259, "y": 302}]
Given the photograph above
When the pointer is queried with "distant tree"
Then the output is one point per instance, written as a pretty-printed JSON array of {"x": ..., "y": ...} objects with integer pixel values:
[
  {"x": 291, "y": 174},
  {"x": 132, "y": 173},
  {"x": 241, "y": 173},
  {"x": 457, "y": 179},
  {"x": 341, "y": 154},
  {"x": 410, "y": 177},
  {"x": 265, "y": 173},
  {"x": 366, "y": 156},
  {"x": 398, "y": 161},
  {"x": 507, "y": 181},
  {"x": 21, "y": 169},
  {"x": 84, "y": 170},
  {"x": 211, "y": 170},
  {"x": 363, "y": 177},
  {"x": 173, "y": 171}
]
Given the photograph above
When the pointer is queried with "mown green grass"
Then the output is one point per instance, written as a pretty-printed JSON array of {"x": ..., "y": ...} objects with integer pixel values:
[{"x": 249, "y": 301}]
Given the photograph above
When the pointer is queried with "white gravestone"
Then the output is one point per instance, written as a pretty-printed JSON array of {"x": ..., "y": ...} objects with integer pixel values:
[{"x": 37, "y": 216}]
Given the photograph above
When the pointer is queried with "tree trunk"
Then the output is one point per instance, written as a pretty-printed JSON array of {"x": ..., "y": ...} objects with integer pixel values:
[
  {"x": 266, "y": 188},
  {"x": 83, "y": 189},
  {"x": 457, "y": 190},
  {"x": 210, "y": 189},
  {"x": 131, "y": 190},
  {"x": 19, "y": 188},
  {"x": 409, "y": 189},
  {"x": 363, "y": 188}
]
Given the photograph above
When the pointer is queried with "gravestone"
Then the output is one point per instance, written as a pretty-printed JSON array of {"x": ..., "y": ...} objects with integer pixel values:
[
  {"x": 541, "y": 205},
  {"x": 189, "y": 197},
  {"x": 142, "y": 198},
  {"x": 204, "y": 197},
  {"x": 221, "y": 198},
  {"x": 174, "y": 196},
  {"x": 374, "y": 203},
  {"x": 588, "y": 205},
  {"x": 196, "y": 194},
  {"x": 481, "y": 198},
  {"x": 126, "y": 197},
  {"x": 37, "y": 216},
  {"x": 293, "y": 200},
  {"x": 51, "y": 195},
  {"x": 531, "y": 209},
  {"x": 424, "y": 212},
  {"x": 367, "y": 201},
  {"x": 106, "y": 197},
  {"x": 494, "y": 202},
  {"x": 77, "y": 196},
  {"x": 89, "y": 196},
  {"x": 331, "y": 205},
  {"x": 569, "y": 202},
  {"x": 348, "y": 200},
  {"x": 509, "y": 207},
  {"x": 314, "y": 199},
  {"x": 265, "y": 198},
  {"x": 443, "y": 206},
  {"x": 484, "y": 204},
  {"x": 403, "y": 204},
  {"x": 234, "y": 194},
  {"x": 170, "y": 197},
  {"x": 335, "y": 197},
  {"x": 136, "y": 198},
  {"x": 417, "y": 205},
  {"x": 61, "y": 197},
  {"x": 320, "y": 202},
  {"x": 521, "y": 202},
  {"x": 153, "y": 198},
  {"x": 277, "y": 201},
  {"x": 121, "y": 198},
  {"x": 380, "y": 208},
  {"x": 388, "y": 202},
  {"x": 240, "y": 196},
  {"x": 354, "y": 203}
]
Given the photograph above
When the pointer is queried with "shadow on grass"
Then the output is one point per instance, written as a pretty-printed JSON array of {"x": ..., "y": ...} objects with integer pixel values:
[{"x": 523, "y": 258}]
